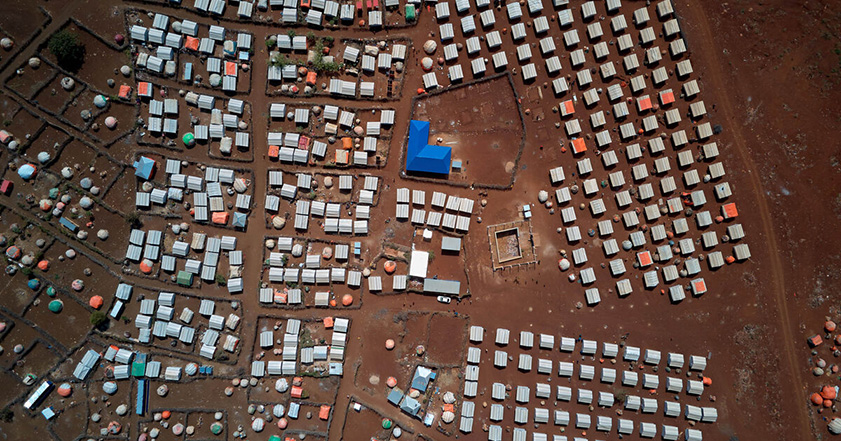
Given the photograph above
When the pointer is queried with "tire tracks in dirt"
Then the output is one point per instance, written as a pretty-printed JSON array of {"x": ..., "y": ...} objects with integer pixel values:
[{"x": 777, "y": 280}]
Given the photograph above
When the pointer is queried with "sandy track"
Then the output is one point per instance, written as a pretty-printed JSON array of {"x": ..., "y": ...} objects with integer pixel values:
[{"x": 777, "y": 279}]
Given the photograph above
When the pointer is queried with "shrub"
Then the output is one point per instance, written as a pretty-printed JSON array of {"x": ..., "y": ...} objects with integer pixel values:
[
  {"x": 67, "y": 49},
  {"x": 133, "y": 219},
  {"x": 98, "y": 318}
]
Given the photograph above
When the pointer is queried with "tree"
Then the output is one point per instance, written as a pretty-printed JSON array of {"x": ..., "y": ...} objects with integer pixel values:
[
  {"x": 67, "y": 49},
  {"x": 133, "y": 219},
  {"x": 98, "y": 318}
]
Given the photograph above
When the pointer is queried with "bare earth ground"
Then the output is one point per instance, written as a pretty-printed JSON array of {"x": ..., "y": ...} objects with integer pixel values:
[{"x": 772, "y": 72}]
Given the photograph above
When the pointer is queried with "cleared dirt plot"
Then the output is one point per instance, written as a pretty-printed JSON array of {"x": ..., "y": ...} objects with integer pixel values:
[
  {"x": 125, "y": 115},
  {"x": 50, "y": 139},
  {"x": 101, "y": 61},
  {"x": 69, "y": 326},
  {"x": 79, "y": 157},
  {"x": 74, "y": 411},
  {"x": 481, "y": 123},
  {"x": 19, "y": 296},
  {"x": 53, "y": 98},
  {"x": 364, "y": 422},
  {"x": 379, "y": 363},
  {"x": 445, "y": 346},
  {"x": 36, "y": 360},
  {"x": 202, "y": 421},
  {"x": 22, "y": 125},
  {"x": 84, "y": 161},
  {"x": 17, "y": 333},
  {"x": 107, "y": 409},
  {"x": 121, "y": 195},
  {"x": 64, "y": 270},
  {"x": 33, "y": 81},
  {"x": 20, "y": 21},
  {"x": 12, "y": 385},
  {"x": 313, "y": 423}
]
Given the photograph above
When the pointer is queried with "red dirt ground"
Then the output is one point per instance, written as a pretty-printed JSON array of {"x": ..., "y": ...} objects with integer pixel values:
[{"x": 769, "y": 75}]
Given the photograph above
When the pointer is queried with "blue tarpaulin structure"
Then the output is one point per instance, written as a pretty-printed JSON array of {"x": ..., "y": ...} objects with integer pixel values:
[
  {"x": 144, "y": 167},
  {"x": 26, "y": 171},
  {"x": 240, "y": 220},
  {"x": 423, "y": 157}
]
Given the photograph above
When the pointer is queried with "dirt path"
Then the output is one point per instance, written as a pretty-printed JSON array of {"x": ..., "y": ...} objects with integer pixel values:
[{"x": 716, "y": 79}]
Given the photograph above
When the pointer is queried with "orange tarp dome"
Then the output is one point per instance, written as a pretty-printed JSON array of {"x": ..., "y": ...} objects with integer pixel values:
[
  {"x": 828, "y": 392},
  {"x": 44, "y": 265},
  {"x": 347, "y": 300},
  {"x": 817, "y": 399},
  {"x": 220, "y": 217},
  {"x": 96, "y": 302},
  {"x": 145, "y": 268},
  {"x": 191, "y": 43},
  {"x": 328, "y": 322},
  {"x": 311, "y": 78},
  {"x": 274, "y": 150},
  {"x": 347, "y": 143},
  {"x": 390, "y": 266}
]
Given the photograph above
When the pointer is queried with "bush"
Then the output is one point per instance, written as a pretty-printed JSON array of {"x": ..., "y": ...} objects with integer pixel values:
[
  {"x": 133, "y": 219},
  {"x": 220, "y": 280},
  {"x": 7, "y": 415},
  {"x": 280, "y": 60},
  {"x": 321, "y": 66},
  {"x": 98, "y": 318},
  {"x": 67, "y": 49}
]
